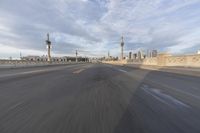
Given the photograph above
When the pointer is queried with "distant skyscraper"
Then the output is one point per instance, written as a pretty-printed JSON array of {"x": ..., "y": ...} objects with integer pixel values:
[
  {"x": 122, "y": 48},
  {"x": 135, "y": 56},
  {"x": 198, "y": 52},
  {"x": 139, "y": 55},
  {"x": 148, "y": 54},
  {"x": 108, "y": 54},
  {"x": 154, "y": 53},
  {"x": 130, "y": 55},
  {"x": 20, "y": 54}
]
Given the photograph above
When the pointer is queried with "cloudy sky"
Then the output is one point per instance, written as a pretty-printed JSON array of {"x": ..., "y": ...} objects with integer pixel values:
[{"x": 95, "y": 26}]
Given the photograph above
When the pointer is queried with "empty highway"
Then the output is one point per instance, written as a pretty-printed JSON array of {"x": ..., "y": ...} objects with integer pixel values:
[{"x": 97, "y": 98}]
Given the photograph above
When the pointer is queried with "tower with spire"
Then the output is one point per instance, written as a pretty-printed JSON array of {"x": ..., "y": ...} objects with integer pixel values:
[
  {"x": 76, "y": 56},
  {"x": 122, "y": 48},
  {"x": 108, "y": 54},
  {"x": 48, "y": 42}
]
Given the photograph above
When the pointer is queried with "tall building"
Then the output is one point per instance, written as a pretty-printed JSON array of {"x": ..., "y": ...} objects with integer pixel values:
[
  {"x": 148, "y": 53},
  {"x": 139, "y": 55},
  {"x": 198, "y": 52},
  {"x": 108, "y": 54},
  {"x": 154, "y": 53},
  {"x": 122, "y": 48},
  {"x": 130, "y": 55},
  {"x": 135, "y": 56}
]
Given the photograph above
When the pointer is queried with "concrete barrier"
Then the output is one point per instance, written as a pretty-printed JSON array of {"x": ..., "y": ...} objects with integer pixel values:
[
  {"x": 187, "y": 64},
  {"x": 22, "y": 63},
  {"x": 164, "y": 60}
]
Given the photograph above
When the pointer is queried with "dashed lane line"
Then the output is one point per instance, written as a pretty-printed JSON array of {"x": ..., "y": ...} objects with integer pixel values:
[
  {"x": 35, "y": 71},
  {"x": 78, "y": 71},
  {"x": 121, "y": 70}
]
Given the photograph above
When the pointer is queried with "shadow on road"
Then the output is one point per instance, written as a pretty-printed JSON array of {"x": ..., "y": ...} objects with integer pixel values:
[{"x": 162, "y": 102}]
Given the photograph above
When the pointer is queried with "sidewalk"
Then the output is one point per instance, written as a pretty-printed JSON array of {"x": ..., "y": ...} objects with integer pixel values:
[{"x": 191, "y": 71}]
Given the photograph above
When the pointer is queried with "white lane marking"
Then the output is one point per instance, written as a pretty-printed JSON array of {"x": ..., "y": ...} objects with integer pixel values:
[
  {"x": 15, "y": 106},
  {"x": 122, "y": 70},
  {"x": 23, "y": 73},
  {"x": 178, "y": 90},
  {"x": 78, "y": 71},
  {"x": 170, "y": 98},
  {"x": 35, "y": 71},
  {"x": 195, "y": 88},
  {"x": 156, "y": 97},
  {"x": 163, "y": 97}
]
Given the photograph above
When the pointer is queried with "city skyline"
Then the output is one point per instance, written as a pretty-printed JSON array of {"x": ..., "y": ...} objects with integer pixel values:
[{"x": 94, "y": 27}]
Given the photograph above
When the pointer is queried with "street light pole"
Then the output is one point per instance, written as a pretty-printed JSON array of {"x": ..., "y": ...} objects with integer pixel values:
[
  {"x": 76, "y": 56},
  {"x": 48, "y": 42},
  {"x": 122, "y": 48}
]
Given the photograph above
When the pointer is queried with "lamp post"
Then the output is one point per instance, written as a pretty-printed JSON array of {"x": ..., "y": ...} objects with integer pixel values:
[
  {"x": 122, "y": 48},
  {"x": 48, "y": 42},
  {"x": 76, "y": 56}
]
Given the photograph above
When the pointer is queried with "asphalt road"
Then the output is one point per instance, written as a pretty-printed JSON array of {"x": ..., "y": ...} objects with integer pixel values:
[{"x": 97, "y": 98}]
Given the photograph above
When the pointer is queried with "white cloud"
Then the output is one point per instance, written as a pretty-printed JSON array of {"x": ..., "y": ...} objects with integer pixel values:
[
  {"x": 186, "y": 42},
  {"x": 95, "y": 26},
  {"x": 8, "y": 51}
]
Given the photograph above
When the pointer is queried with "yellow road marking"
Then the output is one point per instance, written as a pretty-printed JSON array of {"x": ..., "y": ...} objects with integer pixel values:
[{"x": 78, "y": 71}]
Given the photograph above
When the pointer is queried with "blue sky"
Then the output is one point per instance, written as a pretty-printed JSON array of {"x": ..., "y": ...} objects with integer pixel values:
[{"x": 95, "y": 26}]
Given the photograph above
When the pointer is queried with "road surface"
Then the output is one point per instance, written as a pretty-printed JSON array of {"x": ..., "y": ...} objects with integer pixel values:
[{"x": 97, "y": 98}]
